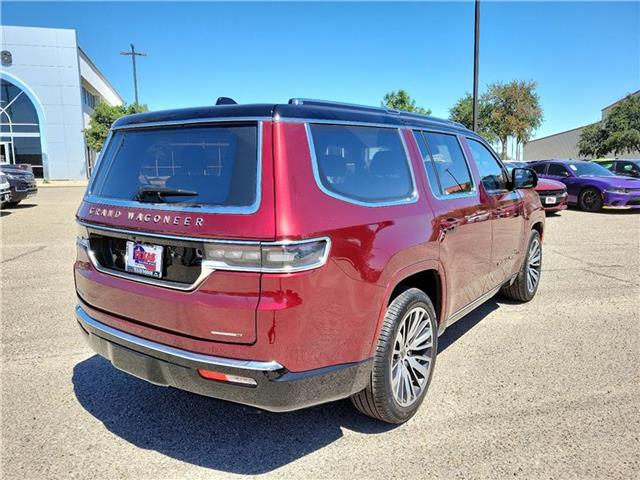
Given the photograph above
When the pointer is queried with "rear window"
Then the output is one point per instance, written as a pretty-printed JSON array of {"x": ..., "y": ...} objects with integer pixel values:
[
  {"x": 364, "y": 164},
  {"x": 216, "y": 164}
]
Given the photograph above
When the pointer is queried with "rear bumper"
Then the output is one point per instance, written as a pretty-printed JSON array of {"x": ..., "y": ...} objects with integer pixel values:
[
  {"x": 276, "y": 389},
  {"x": 21, "y": 193}
]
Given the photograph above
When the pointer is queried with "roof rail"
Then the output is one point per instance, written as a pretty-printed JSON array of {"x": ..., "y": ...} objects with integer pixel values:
[
  {"x": 327, "y": 103},
  {"x": 366, "y": 108}
]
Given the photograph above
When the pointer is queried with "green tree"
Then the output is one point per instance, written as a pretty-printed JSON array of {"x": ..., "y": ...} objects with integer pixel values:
[
  {"x": 462, "y": 112},
  {"x": 619, "y": 133},
  {"x": 515, "y": 111},
  {"x": 401, "y": 100},
  {"x": 101, "y": 120},
  {"x": 591, "y": 143}
]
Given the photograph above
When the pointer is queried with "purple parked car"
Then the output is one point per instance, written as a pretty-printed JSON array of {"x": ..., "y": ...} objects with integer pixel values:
[{"x": 591, "y": 186}]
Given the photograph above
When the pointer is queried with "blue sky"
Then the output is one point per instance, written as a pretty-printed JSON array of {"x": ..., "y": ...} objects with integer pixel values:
[{"x": 584, "y": 55}]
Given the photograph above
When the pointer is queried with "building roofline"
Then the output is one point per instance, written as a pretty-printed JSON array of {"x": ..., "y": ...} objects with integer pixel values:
[
  {"x": 637, "y": 92},
  {"x": 99, "y": 72},
  {"x": 560, "y": 133}
]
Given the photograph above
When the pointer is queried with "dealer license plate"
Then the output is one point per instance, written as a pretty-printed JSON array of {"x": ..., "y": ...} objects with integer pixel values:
[{"x": 144, "y": 259}]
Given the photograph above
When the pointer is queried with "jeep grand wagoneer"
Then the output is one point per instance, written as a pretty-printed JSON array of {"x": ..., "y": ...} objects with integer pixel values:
[{"x": 287, "y": 255}]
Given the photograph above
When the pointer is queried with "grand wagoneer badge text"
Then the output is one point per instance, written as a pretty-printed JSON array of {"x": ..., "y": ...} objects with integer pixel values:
[{"x": 148, "y": 217}]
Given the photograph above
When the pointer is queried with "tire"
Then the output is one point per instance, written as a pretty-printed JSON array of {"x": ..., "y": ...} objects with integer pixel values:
[
  {"x": 10, "y": 204},
  {"x": 590, "y": 200},
  {"x": 383, "y": 398},
  {"x": 521, "y": 290}
]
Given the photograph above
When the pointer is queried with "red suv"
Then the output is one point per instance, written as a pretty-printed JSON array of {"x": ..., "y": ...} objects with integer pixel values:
[{"x": 283, "y": 256}]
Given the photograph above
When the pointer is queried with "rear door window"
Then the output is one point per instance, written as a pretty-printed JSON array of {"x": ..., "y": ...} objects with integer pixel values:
[
  {"x": 557, "y": 170},
  {"x": 217, "y": 165},
  {"x": 540, "y": 168},
  {"x": 445, "y": 164},
  {"x": 362, "y": 164}
]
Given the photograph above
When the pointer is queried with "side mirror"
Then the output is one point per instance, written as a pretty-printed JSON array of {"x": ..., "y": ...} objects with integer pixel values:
[{"x": 523, "y": 178}]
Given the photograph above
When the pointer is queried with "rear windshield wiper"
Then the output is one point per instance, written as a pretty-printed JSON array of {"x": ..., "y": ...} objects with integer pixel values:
[{"x": 152, "y": 194}]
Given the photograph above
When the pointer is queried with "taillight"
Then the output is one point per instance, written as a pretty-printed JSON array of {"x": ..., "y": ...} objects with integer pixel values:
[{"x": 279, "y": 257}]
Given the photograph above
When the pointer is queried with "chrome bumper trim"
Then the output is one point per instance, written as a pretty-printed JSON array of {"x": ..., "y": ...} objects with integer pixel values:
[{"x": 149, "y": 345}]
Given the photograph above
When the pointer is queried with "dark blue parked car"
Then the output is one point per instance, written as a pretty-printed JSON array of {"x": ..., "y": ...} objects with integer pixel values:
[{"x": 591, "y": 186}]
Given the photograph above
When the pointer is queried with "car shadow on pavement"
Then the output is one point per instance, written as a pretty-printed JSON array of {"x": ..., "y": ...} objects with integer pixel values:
[
  {"x": 466, "y": 323},
  {"x": 208, "y": 432},
  {"x": 220, "y": 435}
]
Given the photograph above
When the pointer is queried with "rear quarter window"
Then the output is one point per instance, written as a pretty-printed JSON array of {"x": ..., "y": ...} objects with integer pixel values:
[
  {"x": 361, "y": 164},
  {"x": 217, "y": 162}
]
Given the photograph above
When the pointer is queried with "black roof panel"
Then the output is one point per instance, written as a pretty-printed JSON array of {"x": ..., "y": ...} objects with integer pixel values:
[{"x": 296, "y": 109}]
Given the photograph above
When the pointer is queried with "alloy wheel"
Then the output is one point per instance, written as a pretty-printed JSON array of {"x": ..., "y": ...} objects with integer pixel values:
[
  {"x": 590, "y": 200},
  {"x": 412, "y": 357},
  {"x": 534, "y": 264}
]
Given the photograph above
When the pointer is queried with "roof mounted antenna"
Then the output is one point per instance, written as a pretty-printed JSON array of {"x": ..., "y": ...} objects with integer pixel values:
[{"x": 226, "y": 101}]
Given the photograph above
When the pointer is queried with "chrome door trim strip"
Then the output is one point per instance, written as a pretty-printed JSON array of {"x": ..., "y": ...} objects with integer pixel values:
[
  {"x": 468, "y": 309},
  {"x": 213, "y": 361}
]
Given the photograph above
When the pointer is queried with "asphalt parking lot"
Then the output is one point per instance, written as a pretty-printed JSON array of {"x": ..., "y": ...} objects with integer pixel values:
[{"x": 550, "y": 389}]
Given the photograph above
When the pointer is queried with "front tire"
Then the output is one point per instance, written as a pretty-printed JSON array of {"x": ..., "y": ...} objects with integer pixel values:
[
  {"x": 404, "y": 360},
  {"x": 525, "y": 286},
  {"x": 590, "y": 200}
]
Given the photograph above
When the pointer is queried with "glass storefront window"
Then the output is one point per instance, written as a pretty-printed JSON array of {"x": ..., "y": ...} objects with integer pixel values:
[{"x": 19, "y": 127}]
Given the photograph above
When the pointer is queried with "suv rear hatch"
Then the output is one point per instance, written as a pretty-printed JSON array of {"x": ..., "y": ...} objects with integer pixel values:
[{"x": 163, "y": 197}]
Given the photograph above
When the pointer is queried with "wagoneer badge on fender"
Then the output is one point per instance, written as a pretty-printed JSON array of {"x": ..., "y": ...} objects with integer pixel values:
[{"x": 147, "y": 217}]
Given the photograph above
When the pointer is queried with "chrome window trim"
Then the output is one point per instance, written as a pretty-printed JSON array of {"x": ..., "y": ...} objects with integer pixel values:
[
  {"x": 438, "y": 196},
  {"x": 230, "y": 210},
  {"x": 413, "y": 198},
  {"x": 96, "y": 167},
  {"x": 255, "y": 365}
]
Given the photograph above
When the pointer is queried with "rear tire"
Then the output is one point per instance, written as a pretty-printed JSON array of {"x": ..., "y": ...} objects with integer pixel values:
[
  {"x": 404, "y": 360},
  {"x": 590, "y": 200},
  {"x": 525, "y": 286}
]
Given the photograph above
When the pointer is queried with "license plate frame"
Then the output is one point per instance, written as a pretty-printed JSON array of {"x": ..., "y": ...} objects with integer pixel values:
[{"x": 144, "y": 259}]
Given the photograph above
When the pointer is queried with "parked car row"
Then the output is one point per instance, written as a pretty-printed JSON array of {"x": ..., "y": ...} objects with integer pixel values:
[
  {"x": 590, "y": 185},
  {"x": 21, "y": 184},
  {"x": 553, "y": 194}
]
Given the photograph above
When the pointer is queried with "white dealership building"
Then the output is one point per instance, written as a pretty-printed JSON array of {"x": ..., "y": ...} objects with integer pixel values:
[{"x": 49, "y": 89}]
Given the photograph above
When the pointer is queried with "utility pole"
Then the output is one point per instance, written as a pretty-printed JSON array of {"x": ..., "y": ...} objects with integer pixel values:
[
  {"x": 134, "y": 54},
  {"x": 476, "y": 49}
]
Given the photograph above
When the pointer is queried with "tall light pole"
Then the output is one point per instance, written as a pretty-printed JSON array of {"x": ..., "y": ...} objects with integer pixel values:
[
  {"x": 134, "y": 54},
  {"x": 476, "y": 48}
]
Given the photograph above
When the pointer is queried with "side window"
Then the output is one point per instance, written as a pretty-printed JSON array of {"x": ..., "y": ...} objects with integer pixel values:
[
  {"x": 539, "y": 168},
  {"x": 627, "y": 167},
  {"x": 492, "y": 174},
  {"x": 608, "y": 165},
  {"x": 557, "y": 170},
  {"x": 365, "y": 164},
  {"x": 446, "y": 163},
  {"x": 427, "y": 162}
]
